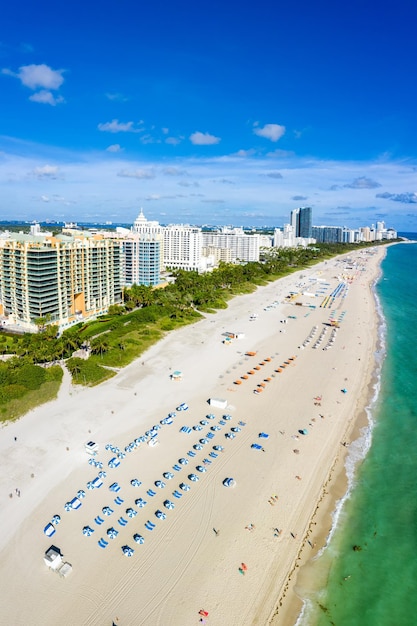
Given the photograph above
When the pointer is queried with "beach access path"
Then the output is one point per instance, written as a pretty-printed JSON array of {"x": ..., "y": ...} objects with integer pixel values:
[{"x": 262, "y": 522}]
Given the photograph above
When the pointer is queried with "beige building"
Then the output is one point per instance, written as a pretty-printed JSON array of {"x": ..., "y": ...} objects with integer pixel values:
[{"x": 64, "y": 279}]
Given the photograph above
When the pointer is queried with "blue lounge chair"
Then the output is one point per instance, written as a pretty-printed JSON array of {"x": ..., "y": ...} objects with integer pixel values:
[{"x": 122, "y": 521}]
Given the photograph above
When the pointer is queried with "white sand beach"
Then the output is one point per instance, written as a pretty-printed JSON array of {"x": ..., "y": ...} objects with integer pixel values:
[{"x": 264, "y": 521}]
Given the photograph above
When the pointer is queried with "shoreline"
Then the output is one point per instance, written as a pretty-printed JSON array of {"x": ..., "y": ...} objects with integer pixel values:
[
  {"x": 184, "y": 546},
  {"x": 334, "y": 490}
]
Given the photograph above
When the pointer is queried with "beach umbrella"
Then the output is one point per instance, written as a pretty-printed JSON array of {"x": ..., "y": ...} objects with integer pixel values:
[
  {"x": 90, "y": 485},
  {"x": 121, "y": 455},
  {"x": 160, "y": 484},
  {"x": 138, "y": 538},
  {"x": 127, "y": 551},
  {"x": 87, "y": 531},
  {"x": 140, "y": 502},
  {"x": 91, "y": 462},
  {"x": 107, "y": 510},
  {"x": 99, "y": 464},
  {"x": 102, "y": 474},
  {"x": 68, "y": 506},
  {"x": 80, "y": 493},
  {"x": 131, "y": 512},
  {"x": 56, "y": 519},
  {"x": 112, "y": 533},
  {"x": 135, "y": 482}
]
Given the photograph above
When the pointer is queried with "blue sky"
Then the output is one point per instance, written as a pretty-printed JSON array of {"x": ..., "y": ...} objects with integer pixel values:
[{"x": 209, "y": 113}]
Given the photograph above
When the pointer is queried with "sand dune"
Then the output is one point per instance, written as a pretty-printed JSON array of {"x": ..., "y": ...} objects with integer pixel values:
[{"x": 183, "y": 565}]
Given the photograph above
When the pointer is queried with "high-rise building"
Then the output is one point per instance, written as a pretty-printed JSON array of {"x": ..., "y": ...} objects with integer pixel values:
[
  {"x": 155, "y": 230},
  {"x": 182, "y": 247},
  {"x": 327, "y": 234},
  {"x": 243, "y": 247},
  {"x": 64, "y": 278},
  {"x": 141, "y": 259},
  {"x": 302, "y": 220}
]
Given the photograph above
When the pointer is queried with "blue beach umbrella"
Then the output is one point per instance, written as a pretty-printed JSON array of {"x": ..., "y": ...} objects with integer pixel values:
[
  {"x": 80, "y": 493},
  {"x": 112, "y": 533},
  {"x": 87, "y": 531},
  {"x": 135, "y": 482},
  {"x": 68, "y": 506},
  {"x": 56, "y": 519},
  {"x": 127, "y": 551},
  {"x": 107, "y": 510},
  {"x": 90, "y": 485},
  {"x": 131, "y": 512}
]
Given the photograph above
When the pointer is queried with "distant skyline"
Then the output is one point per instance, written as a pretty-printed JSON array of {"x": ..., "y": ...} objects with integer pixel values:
[{"x": 227, "y": 113}]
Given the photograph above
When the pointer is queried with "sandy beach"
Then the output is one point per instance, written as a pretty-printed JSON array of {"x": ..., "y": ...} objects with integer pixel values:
[{"x": 232, "y": 552}]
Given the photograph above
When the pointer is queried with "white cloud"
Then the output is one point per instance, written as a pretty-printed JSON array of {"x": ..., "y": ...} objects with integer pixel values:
[
  {"x": 244, "y": 153},
  {"x": 45, "y": 198},
  {"x": 203, "y": 139},
  {"x": 173, "y": 141},
  {"x": 118, "y": 127},
  {"x": 165, "y": 131},
  {"x": 40, "y": 77},
  {"x": 273, "y": 132},
  {"x": 46, "y": 171},
  {"x": 174, "y": 171},
  {"x": 118, "y": 97},
  {"x": 140, "y": 173},
  {"x": 363, "y": 182},
  {"x": 94, "y": 192},
  {"x": 35, "y": 76},
  {"x": 115, "y": 147},
  {"x": 46, "y": 97}
]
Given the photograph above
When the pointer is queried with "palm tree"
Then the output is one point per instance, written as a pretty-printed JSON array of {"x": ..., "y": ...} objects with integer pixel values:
[{"x": 99, "y": 345}]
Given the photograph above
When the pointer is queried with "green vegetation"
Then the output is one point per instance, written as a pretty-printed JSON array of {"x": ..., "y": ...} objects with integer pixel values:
[
  {"x": 116, "y": 339},
  {"x": 24, "y": 385}
]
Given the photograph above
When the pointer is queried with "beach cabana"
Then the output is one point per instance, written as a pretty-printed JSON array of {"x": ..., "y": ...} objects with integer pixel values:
[{"x": 49, "y": 530}]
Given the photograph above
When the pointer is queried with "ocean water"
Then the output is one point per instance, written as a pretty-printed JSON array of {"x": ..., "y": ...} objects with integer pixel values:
[{"x": 367, "y": 574}]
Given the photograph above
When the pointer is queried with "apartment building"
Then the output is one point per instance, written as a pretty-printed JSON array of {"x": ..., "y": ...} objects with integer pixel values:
[
  {"x": 64, "y": 278},
  {"x": 243, "y": 247}
]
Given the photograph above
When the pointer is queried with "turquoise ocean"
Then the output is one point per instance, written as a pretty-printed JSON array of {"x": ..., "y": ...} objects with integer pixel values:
[{"x": 367, "y": 574}]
